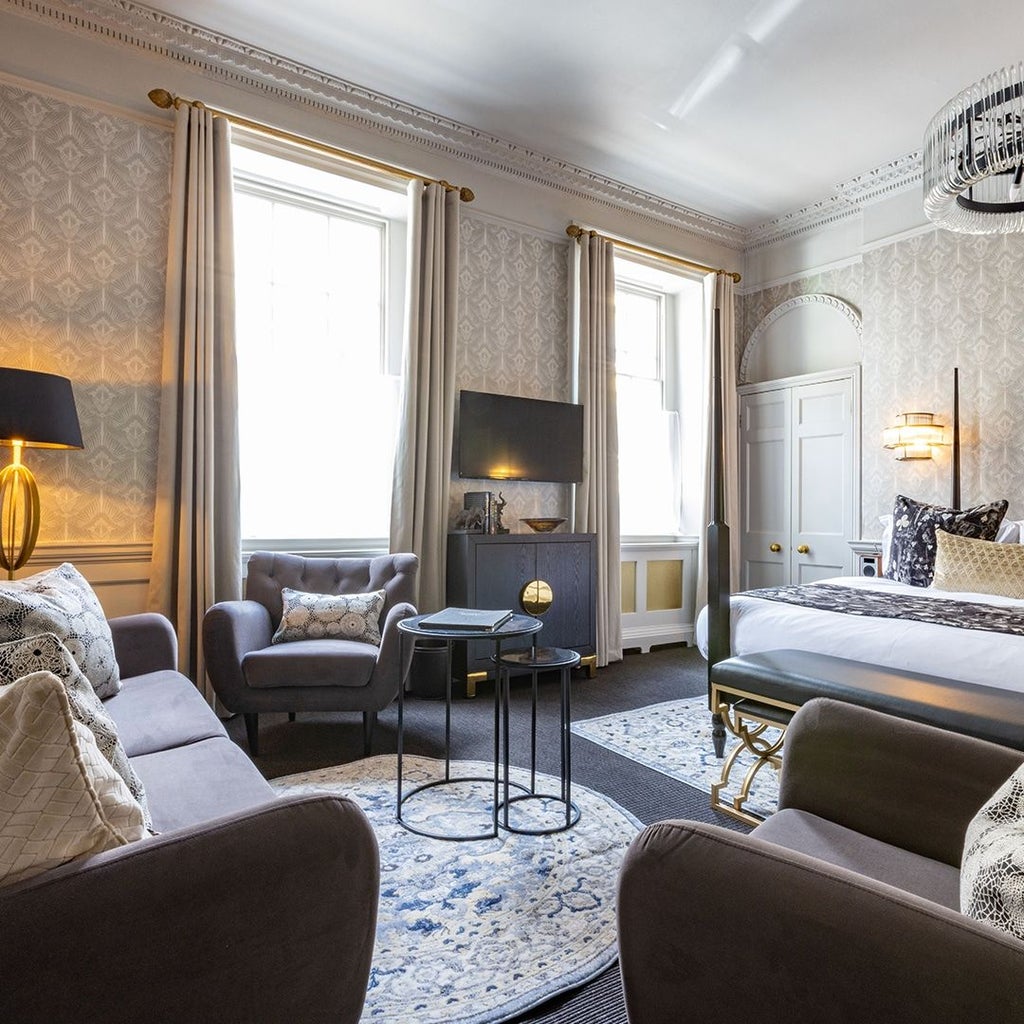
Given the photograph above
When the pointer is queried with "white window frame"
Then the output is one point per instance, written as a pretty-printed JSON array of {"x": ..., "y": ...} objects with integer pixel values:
[
  {"x": 392, "y": 220},
  {"x": 681, "y": 293}
]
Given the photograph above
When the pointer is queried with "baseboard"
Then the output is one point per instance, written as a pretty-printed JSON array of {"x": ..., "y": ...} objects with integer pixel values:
[{"x": 646, "y": 637}]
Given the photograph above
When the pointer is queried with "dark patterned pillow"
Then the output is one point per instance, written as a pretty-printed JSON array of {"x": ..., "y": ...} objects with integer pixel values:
[
  {"x": 992, "y": 869},
  {"x": 45, "y": 653},
  {"x": 912, "y": 554},
  {"x": 330, "y": 617},
  {"x": 61, "y": 601}
]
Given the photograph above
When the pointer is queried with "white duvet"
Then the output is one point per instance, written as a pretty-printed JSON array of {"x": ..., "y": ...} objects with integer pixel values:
[{"x": 973, "y": 655}]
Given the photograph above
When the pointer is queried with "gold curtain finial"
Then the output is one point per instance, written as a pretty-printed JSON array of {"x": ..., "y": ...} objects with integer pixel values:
[
  {"x": 165, "y": 100},
  {"x": 575, "y": 231},
  {"x": 465, "y": 194},
  {"x": 162, "y": 98}
]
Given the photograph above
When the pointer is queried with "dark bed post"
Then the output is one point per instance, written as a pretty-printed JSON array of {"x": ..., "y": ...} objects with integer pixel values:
[
  {"x": 718, "y": 539},
  {"x": 956, "y": 437}
]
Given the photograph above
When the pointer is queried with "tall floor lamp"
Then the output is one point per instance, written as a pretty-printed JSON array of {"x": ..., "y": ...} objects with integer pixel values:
[{"x": 37, "y": 410}]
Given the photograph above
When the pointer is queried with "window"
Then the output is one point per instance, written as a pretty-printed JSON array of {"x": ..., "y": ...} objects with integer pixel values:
[
  {"x": 657, "y": 321},
  {"x": 319, "y": 264}
]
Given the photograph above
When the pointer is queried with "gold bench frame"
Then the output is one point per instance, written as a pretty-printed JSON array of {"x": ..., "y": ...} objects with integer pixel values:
[{"x": 749, "y": 728}]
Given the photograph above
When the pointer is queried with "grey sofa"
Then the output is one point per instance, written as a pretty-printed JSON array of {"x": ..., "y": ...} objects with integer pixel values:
[
  {"x": 251, "y": 675},
  {"x": 843, "y": 906},
  {"x": 245, "y": 908}
]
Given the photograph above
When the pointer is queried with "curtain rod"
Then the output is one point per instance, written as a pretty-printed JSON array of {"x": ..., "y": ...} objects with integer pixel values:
[
  {"x": 166, "y": 100},
  {"x": 575, "y": 231}
]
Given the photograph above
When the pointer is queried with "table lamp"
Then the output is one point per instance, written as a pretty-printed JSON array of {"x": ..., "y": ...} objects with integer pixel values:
[{"x": 37, "y": 410}]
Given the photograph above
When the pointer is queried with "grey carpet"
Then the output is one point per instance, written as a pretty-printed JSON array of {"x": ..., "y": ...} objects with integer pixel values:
[{"x": 320, "y": 740}]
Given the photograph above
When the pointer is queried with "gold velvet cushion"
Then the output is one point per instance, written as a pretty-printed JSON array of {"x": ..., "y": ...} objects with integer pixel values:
[
  {"x": 992, "y": 869},
  {"x": 60, "y": 601},
  {"x": 330, "y": 616},
  {"x": 59, "y": 796},
  {"x": 978, "y": 566}
]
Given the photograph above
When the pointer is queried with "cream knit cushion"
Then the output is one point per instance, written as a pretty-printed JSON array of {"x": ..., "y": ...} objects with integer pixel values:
[
  {"x": 45, "y": 653},
  {"x": 60, "y": 601},
  {"x": 978, "y": 566},
  {"x": 59, "y": 796}
]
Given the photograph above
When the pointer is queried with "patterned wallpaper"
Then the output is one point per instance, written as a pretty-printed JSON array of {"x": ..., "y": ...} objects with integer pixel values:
[
  {"x": 513, "y": 339},
  {"x": 83, "y": 213},
  {"x": 932, "y": 302},
  {"x": 929, "y": 303},
  {"x": 83, "y": 236}
]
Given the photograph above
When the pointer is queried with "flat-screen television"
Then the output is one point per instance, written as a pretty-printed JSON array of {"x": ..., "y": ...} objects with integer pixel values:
[{"x": 506, "y": 438}]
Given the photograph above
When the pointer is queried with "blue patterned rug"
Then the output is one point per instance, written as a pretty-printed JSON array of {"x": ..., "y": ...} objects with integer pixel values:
[
  {"x": 479, "y": 932},
  {"x": 674, "y": 738}
]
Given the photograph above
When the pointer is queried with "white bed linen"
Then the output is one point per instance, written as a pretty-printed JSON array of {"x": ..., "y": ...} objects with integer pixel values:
[{"x": 973, "y": 655}]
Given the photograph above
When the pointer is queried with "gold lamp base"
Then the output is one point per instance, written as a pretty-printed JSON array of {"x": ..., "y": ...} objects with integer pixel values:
[{"x": 19, "y": 506}]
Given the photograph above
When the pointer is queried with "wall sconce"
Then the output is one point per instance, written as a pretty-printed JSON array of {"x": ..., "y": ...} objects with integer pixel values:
[
  {"x": 914, "y": 435},
  {"x": 37, "y": 410}
]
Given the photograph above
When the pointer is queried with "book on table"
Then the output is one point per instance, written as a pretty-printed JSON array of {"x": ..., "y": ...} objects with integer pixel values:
[{"x": 483, "y": 619}]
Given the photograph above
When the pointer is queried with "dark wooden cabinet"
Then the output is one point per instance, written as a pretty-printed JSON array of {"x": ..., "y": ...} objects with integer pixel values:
[{"x": 489, "y": 571}]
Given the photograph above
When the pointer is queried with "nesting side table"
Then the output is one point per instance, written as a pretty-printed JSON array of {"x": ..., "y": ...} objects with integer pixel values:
[
  {"x": 534, "y": 660},
  {"x": 410, "y": 630}
]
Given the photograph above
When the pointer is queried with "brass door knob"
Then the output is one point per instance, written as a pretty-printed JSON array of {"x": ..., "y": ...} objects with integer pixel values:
[
  {"x": 802, "y": 549},
  {"x": 775, "y": 548}
]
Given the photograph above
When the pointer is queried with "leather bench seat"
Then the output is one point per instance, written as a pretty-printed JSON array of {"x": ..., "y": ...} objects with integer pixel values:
[{"x": 795, "y": 677}]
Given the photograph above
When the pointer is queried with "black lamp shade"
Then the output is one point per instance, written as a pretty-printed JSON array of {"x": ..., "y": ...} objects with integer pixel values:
[{"x": 38, "y": 409}]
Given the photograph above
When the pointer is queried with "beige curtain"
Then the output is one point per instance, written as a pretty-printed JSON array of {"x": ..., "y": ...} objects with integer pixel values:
[
  {"x": 597, "y": 496},
  {"x": 196, "y": 533},
  {"x": 423, "y": 455},
  {"x": 719, "y": 293}
]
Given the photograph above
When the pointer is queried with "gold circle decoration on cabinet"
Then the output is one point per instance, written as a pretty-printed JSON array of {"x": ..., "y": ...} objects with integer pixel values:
[{"x": 536, "y": 597}]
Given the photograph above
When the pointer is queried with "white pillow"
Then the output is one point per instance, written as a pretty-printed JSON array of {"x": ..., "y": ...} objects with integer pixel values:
[
  {"x": 1009, "y": 532},
  {"x": 60, "y": 601},
  {"x": 59, "y": 796},
  {"x": 886, "y": 522},
  {"x": 330, "y": 617},
  {"x": 45, "y": 653}
]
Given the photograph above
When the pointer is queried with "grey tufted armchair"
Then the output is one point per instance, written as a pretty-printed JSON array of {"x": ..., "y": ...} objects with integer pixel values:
[{"x": 252, "y": 675}]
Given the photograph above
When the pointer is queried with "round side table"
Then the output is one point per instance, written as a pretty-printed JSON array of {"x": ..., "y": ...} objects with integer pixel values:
[
  {"x": 409, "y": 630},
  {"x": 534, "y": 660}
]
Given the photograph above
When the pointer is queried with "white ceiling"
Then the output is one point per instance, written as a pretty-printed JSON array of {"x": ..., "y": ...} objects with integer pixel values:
[{"x": 742, "y": 109}]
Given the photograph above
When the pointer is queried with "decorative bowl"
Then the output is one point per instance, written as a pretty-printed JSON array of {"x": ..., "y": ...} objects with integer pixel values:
[{"x": 543, "y": 525}]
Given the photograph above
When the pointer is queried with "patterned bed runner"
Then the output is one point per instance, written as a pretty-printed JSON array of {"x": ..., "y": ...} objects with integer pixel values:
[{"x": 829, "y": 597}]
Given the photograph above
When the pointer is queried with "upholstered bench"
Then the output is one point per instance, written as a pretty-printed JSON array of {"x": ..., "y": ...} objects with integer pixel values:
[{"x": 757, "y": 695}]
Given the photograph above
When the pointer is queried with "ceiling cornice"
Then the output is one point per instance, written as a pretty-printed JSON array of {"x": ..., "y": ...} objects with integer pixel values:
[
  {"x": 847, "y": 201},
  {"x": 127, "y": 24}
]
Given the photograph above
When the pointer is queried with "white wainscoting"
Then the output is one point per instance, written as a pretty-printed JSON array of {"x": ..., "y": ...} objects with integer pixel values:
[
  {"x": 119, "y": 573},
  {"x": 659, "y": 585}
]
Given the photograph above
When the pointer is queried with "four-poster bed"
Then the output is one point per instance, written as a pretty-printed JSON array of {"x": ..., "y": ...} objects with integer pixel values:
[{"x": 972, "y": 639}]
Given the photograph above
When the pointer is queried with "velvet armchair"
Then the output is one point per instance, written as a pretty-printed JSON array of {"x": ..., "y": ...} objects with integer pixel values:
[
  {"x": 843, "y": 906},
  {"x": 251, "y": 674}
]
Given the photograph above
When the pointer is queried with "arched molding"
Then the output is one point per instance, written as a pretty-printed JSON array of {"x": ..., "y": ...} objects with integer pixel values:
[{"x": 783, "y": 308}]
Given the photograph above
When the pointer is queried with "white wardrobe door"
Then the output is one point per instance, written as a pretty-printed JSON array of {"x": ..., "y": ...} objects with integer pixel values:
[
  {"x": 765, "y": 487},
  {"x": 822, "y": 500}
]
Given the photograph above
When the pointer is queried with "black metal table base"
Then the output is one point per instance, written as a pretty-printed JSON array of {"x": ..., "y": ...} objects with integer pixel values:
[
  {"x": 517, "y": 626},
  {"x": 534, "y": 660},
  {"x": 433, "y": 834}
]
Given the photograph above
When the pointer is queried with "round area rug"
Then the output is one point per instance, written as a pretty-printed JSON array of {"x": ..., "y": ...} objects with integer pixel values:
[{"x": 480, "y": 931}]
